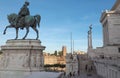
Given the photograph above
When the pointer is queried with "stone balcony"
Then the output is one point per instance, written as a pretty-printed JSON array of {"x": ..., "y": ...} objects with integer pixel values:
[{"x": 108, "y": 62}]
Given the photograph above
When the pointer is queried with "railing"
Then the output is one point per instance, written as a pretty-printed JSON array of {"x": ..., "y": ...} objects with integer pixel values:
[{"x": 112, "y": 62}]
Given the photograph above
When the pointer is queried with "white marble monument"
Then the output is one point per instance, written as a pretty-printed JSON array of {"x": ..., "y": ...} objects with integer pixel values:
[
  {"x": 20, "y": 57},
  {"x": 107, "y": 58}
]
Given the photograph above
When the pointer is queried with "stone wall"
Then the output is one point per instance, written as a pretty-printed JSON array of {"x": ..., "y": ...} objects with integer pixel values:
[{"x": 108, "y": 68}]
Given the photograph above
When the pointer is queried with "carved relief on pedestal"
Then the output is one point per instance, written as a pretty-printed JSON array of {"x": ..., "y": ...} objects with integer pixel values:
[
  {"x": 26, "y": 60},
  {"x": 34, "y": 60},
  {"x": 1, "y": 61},
  {"x": 21, "y": 57},
  {"x": 31, "y": 60},
  {"x": 7, "y": 59},
  {"x": 38, "y": 60}
]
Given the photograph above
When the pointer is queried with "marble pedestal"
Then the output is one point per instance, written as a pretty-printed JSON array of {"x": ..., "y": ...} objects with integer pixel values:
[{"x": 20, "y": 57}]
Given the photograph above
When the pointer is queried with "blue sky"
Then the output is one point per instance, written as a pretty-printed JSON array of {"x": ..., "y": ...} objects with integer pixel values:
[{"x": 59, "y": 19}]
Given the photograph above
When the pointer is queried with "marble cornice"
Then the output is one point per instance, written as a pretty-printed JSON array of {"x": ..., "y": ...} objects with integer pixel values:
[{"x": 117, "y": 3}]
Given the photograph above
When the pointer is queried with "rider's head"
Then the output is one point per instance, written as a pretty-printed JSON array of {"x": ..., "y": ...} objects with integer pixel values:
[{"x": 26, "y": 3}]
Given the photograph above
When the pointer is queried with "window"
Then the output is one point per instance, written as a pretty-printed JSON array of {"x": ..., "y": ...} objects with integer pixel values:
[{"x": 119, "y": 50}]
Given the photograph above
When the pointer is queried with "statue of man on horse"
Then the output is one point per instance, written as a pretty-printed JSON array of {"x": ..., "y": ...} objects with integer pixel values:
[{"x": 23, "y": 20}]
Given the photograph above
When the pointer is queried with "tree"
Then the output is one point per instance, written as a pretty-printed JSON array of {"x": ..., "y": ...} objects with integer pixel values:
[
  {"x": 1, "y": 52},
  {"x": 62, "y": 66},
  {"x": 60, "y": 53},
  {"x": 55, "y": 53},
  {"x": 56, "y": 66}
]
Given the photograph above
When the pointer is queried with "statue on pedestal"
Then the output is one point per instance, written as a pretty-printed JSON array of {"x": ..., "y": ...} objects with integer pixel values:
[{"x": 23, "y": 20}]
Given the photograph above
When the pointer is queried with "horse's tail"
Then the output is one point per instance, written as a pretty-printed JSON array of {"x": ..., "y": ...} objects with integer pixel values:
[{"x": 38, "y": 18}]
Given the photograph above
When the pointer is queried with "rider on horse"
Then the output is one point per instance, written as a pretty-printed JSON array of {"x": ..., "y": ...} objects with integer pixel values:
[{"x": 24, "y": 11}]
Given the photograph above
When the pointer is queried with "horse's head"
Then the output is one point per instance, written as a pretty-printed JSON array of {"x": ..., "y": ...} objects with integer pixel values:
[{"x": 12, "y": 18}]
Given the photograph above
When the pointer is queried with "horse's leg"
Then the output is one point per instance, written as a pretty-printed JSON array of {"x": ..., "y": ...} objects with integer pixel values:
[
  {"x": 34, "y": 28},
  {"x": 9, "y": 26},
  {"x": 27, "y": 31},
  {"x": 16, "y": 33}
]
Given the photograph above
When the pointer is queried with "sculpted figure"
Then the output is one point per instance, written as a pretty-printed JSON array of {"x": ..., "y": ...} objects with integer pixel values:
[
  {"x": 23, "y": 20},
  {"x": 23, "y": 12}
]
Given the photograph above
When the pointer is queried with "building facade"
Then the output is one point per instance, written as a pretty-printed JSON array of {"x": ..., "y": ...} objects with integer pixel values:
[
  {"x": 64, "y": 50},
  {"x": 107, "y": 58}
]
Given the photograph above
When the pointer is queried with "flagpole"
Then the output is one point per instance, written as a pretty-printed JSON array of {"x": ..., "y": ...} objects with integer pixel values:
[
  {"x": 71, "y": 42},
  {"x": 73, "y": 46}
]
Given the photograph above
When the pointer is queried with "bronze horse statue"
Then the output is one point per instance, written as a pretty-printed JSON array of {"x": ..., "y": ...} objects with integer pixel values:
[{"x": 24, "y": 22}]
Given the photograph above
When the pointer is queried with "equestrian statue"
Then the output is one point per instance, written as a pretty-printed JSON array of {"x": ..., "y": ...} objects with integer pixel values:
[{"x": 23, "y": 20}]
